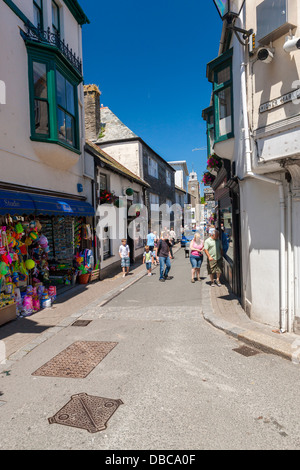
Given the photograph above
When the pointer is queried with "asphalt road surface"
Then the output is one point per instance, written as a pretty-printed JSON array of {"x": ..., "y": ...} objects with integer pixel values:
[{"x": 182, "y": 384}]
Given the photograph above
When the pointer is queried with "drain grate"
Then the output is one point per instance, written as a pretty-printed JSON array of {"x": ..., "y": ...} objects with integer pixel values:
[
  {"x": 81, "y": 323},
  {"x": 86, "y": 412},
  {"x": 77, "y": 361},
  {"x": 246, "y": 351}
]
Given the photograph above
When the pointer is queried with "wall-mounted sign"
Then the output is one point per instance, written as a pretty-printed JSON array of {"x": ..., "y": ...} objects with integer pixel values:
[{"x": 289, "y": 97}]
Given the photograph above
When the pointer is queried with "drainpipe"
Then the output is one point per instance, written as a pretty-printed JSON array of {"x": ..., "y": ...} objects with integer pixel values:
[
  {"x": 251, "y": 174},
  {"x": 290, "y": 300}
]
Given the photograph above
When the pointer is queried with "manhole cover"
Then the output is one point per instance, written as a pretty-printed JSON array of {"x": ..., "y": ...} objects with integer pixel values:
[
  {"x": 77, "y": 361},
  {"x": 86, "y": 412},
  {"x": 246, "y": 351},
  {"x": 81, "y": 322}
]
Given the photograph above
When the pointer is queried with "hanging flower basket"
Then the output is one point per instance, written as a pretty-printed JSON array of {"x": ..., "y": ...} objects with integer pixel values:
[
  {"x": 208, "y": 178},
  {"x": 214, "y": 162},
  {"x": 106, "y": 197}
]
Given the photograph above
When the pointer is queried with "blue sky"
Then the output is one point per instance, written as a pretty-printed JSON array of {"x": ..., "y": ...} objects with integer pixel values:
[{"x": 149, "y": 61}]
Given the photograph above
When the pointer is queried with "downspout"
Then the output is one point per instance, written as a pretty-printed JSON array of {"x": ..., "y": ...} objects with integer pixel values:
[
  {"x": 290, "y": 304},
  {"x": 251, "y": 174}
]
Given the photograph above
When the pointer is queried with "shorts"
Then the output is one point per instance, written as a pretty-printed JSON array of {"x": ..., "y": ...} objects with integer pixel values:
[
  {"x": 196, "y": 261},
  {"x": 125, "y": 262},
  {"x": 215, "y": 266},
  {"x": 148, "y": 265}
]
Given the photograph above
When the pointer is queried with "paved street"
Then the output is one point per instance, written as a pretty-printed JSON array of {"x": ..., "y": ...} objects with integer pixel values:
[{"x": 181, "y": 383}]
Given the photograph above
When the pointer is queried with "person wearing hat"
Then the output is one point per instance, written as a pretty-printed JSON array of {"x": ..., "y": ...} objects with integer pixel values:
[{"x": 214, "y": 252}]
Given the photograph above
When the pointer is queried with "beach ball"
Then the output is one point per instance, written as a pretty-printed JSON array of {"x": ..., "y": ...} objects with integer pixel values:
[{"x": 30, "y": 264}]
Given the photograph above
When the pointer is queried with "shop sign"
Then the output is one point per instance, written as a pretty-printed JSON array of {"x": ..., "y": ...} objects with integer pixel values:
[
  {"x": 11, "y": 203},
  {"x": 289, "y": 97},
  {"x": 64, "y": 206}
]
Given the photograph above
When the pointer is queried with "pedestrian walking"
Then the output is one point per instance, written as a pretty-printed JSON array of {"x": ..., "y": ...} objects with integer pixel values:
[
  {"x": 156, "y": 239},
  {"x": 214, "y": 252},
  {"x": 150, "y": 240},
  {"x": 196, "y": 256},
  {"x": 124, "y": 252},
  {"x": 148, "y": 259},
  {"x": 172, "y": 240},
  {"x": 163, "y": 255}
]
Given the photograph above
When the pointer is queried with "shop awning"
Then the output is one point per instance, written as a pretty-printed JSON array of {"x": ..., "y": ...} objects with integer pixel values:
[
  {"x": 13, "y": 202},
  {"x": 47, "y": 205}
]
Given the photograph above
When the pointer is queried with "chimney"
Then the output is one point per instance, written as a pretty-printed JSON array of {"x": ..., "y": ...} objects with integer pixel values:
[{"x": 92, "y": 111}]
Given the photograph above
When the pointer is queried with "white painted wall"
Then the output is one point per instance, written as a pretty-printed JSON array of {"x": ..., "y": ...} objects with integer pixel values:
[
  {"x": 116, "y": 184},
  {"x": 260, "y": 228},
  {"x": 260, "y": 216},
  {"x": 129, "y": 154},
  {"x": 24, "y": 162}
]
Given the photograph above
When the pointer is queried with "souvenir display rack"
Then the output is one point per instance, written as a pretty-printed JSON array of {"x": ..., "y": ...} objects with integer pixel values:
[{"x": 37, "y": 257}]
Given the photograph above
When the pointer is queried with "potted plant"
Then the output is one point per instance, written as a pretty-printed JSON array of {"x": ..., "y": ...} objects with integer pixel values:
[{"x": 84, "y": 275}]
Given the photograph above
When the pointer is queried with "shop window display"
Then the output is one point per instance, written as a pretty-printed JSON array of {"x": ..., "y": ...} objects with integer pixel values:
[{"x": 38, "y": 257}]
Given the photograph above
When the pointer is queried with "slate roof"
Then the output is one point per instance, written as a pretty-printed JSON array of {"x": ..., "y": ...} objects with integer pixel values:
[{"x": 112, "y": 128}]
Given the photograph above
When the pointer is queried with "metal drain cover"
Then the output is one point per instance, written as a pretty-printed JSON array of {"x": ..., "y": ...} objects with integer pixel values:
[
  {"x": 77, "y": 361},
  {"x": 86, "y": 412},
  {"x": 81, "y": 322},
  {"x": 246, "y": 351}
]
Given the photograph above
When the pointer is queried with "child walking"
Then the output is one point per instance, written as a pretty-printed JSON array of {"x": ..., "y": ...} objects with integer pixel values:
[
  {"x": 148, "y": 259},
  {"x": 124, "y": 253}
]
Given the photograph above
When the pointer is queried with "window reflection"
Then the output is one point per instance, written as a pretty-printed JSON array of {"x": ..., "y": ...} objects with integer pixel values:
[{"x": 227, "y": 232}]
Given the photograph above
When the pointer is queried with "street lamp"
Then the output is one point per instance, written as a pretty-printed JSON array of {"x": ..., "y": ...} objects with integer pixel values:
[{"x": 229, "y": 10}]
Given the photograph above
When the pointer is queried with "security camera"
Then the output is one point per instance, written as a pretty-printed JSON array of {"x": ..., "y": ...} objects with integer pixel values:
[
  {"x": 291, "y": 44},
  {"x": 265, "y": 55}
]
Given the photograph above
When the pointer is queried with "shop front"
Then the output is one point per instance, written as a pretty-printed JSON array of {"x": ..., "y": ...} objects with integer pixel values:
[
  {"x": 227, "y": 215},
  {"x": 46, "y": 244}
]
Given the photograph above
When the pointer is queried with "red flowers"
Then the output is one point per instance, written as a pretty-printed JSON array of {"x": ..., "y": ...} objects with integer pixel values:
[
  {"x": 214, "y": 162},
  {"x": 208, "y": 179},
  {"x": 106, "y": 197}
]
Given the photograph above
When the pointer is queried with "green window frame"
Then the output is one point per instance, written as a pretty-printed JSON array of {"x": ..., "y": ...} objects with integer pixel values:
[
  {"x": 38, "y": 14},
  {"x": 58, "y": 104},
  {"x": 220, "y": 74},
  {"x": 210, "y": 129},
  {"x": 55, "y": 17}
]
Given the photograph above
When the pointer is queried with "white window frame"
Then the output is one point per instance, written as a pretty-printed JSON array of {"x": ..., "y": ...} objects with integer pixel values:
[
  {"x": 152, "y": 167},
  {"x": 168, "y": 178}
]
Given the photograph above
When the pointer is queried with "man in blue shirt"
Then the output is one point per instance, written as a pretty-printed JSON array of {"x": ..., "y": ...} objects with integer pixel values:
[{"x": 150, "y": 240}]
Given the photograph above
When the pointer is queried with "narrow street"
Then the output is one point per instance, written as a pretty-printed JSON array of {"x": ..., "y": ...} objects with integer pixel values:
[{"x": 181, "y": 384}]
